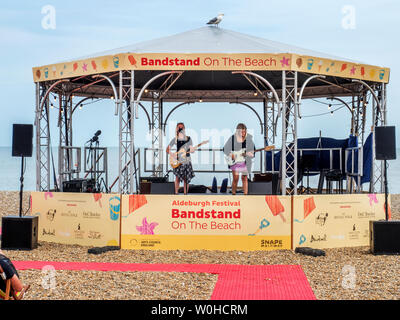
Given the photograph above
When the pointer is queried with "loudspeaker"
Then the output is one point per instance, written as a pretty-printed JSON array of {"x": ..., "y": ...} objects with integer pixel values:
[
  {"x": 79, "y": 185},
  {"x": 145, "y": 187},
  {"x": 385, "y": 237},
  {"x": 385, "y": 143},
  {"x": 267, "y": 177},
  {"x": 153, "y": 179},
  {"x": 22, "y": 140},
  {"x": 162, "y": 188},
  {"x": 19, "y": 233},
  {"x": 260, "y": 187}
]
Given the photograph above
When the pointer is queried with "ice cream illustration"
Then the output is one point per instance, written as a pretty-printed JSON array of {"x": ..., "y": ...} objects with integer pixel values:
[
  {"x": 115, "y": 206},
  {"x": 310, "y": 63},
  {"x": 116, "y": 62},
  {"x": 104, "y": 63},
  {"x": 276, "y": 207},
  {"x": 299, "y": 62},
  {"x": 381, "y": 74},
  {"x": 132, "y": 60}
]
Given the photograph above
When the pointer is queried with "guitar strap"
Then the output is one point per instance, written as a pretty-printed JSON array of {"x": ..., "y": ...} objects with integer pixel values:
[
  {"x": 243, "y": 143},
  {"x": 180, "y": 144}
]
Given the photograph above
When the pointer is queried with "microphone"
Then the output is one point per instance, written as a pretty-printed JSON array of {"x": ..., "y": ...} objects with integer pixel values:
[{"x": 96, "y": 136}]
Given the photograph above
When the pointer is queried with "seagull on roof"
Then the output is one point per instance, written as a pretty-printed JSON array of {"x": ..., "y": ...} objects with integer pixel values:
[{"x": 216, "y": 20}]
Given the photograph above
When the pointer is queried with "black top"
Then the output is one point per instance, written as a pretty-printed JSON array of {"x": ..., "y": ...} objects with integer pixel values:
[
  {"x": 233, "y": 145},
  {"x": 185, "y": 144}
]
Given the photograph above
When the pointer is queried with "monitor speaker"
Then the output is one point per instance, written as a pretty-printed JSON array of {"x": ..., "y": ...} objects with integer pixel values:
[
  {"x": 145, "y": 187},
  {"x": 385, "y": 143},
  {"x": 19, "y": 233},
  {"x": 272, "y": 178},
  {"x": 162, "y": 188},
  {"x": 260, "y": 187},
  {"x": 22, "y": 140},
  {"x": 385, "y": 237}
]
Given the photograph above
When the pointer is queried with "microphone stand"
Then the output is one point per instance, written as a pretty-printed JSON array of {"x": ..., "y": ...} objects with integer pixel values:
[
  {"x": 21, "y": 186},
  {"x": 386, "y": 190}
]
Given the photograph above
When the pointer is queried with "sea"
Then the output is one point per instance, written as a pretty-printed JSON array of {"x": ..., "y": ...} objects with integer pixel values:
[{"x": 10, "y": 170}]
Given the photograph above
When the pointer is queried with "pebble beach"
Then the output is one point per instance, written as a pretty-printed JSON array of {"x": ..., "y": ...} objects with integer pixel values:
[{"x": 376, "y": 277}]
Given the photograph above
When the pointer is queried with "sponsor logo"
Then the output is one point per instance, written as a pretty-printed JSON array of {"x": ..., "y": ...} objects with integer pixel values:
[
  {"x": 50, "y": 214},
  {"x": 302, "y": 239},
  {"x": 321, "y": 219},
  {"x": 91, "y": 215},
  {"x": 367, "y": 215},
  {"x": 150, "y": 243},
  {"x": 271, "y": 243},
  {"x": 318, "y": 238},
  {"x": 79, "y": 234},
  {"x": 354, "y": 234},
  {"x": 133, "y": 242},
  {"x": 94, "y": 235},
  {"x": 48, "y": 232},
  {"x": 343, "y": 216}
]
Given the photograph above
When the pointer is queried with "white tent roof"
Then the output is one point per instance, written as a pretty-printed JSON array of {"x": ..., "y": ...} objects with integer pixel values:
[{"x": 211, "y": 39}]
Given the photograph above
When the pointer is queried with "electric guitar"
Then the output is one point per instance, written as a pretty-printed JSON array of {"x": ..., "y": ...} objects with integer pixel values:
[
  {"x": 240, "y": 155},
  {"x": 178, "y": 157}
]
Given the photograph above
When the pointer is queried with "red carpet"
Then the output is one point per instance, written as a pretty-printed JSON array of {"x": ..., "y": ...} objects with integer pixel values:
[{"x": 235, "y": 282}]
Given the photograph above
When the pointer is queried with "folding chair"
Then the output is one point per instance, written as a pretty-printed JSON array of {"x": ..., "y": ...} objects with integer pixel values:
[
  {"x": 8, "y": 289},
  {"x": 8, "y": 286}
]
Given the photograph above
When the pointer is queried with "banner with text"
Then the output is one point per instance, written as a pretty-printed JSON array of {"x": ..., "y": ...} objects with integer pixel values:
[
  {"x": 332, "y": 221},
  {"x": 89, "y": 219},
  {"x": 210, "y": 62},
  {"x": 161, "y": 222}
]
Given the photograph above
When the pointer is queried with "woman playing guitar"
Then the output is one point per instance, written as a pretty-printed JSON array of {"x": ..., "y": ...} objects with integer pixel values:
[
  {"x": 183, "y": 172},
  {"x": 239, "y": 143}
]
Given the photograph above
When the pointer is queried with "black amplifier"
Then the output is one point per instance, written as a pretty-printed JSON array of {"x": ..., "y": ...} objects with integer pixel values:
[
  {"x": 79, "y": 185},
  {"x": 154, "y": 179}
]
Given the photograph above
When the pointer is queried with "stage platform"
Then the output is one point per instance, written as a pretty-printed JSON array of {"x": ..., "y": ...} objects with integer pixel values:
[{"x": 207, "y": 221}]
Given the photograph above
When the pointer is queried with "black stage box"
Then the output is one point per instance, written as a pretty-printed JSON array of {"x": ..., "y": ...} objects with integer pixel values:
[
  {"x": 264, "y": 184},
  {"x": 162, "y": 188},
  {"x": 19, "y": 233},
  {"x": 79, "y": 185},
  {"x": 154, "y": 179},
  {"x": 145, "y": 187},
  {"x": 260, "y": 187},
  {"x": 385, "y": 237}
]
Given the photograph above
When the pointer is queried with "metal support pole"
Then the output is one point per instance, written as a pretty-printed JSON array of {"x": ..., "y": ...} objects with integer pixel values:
[
  {"x": 289, "y": 131},
  {"x": 126, "y": 131},
  {"x": 42, "y": 139},
  {"x": 157, "y": 135}
]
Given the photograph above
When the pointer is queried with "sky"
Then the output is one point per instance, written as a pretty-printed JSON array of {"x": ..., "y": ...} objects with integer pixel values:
[{"x": 367, "y": 33}]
